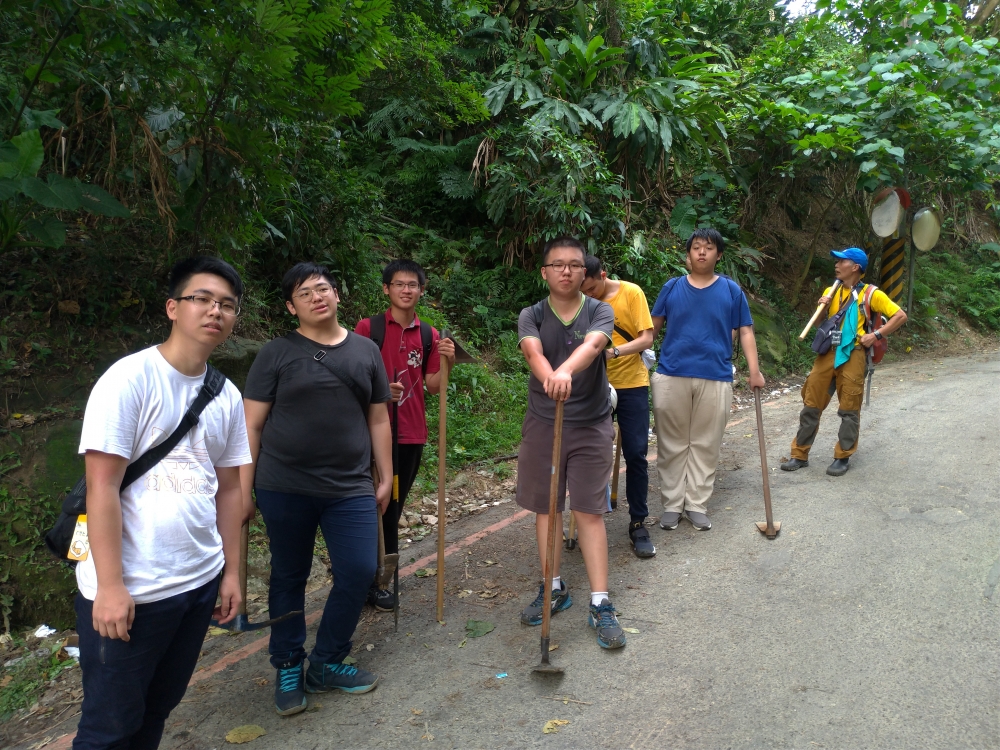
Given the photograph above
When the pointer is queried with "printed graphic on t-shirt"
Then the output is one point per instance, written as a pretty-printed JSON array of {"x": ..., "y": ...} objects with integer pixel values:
[{"x": 415, "y": 358}]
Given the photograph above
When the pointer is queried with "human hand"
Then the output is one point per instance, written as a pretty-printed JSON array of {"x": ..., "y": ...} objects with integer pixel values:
[
  {"x": 824, "y": 300},
  {"x": 396, "y": 391},
  {"x": 558, "y": 385},
  {"x": 868, "y": 340},
  {"x": 383, "y": 494},
  {"x": 230, "y": 597},
  {"x": 113, "y": 612},
  {"x": 756, "y": 380},
  {"x": 446, "y": 347},
  {"x": 609, "y": 353}
]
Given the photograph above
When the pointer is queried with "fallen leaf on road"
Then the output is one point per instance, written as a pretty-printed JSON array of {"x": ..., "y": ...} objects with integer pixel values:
[
  {"x": 631, "y": 630},
  {"x": 487, "y": 594},
  {"x": 477, "y": 628},
  {"x": 350, "y": 660},
  {"x": 246, "y": 733},
  {"x": 462, "y": 644},
  {"x": 486, "y": 563},
  {"x": 464, "y": 593},
  {"x": 217, "y": 631},
  {"x": 553, "y": 647},
  {"x": 551, "y": 727},
  {"x": 370, "y": 646},
  {"x": 261, "y": 681},
  {"x": 425, "y": 572},
  {"x": 416, "y": 711}
]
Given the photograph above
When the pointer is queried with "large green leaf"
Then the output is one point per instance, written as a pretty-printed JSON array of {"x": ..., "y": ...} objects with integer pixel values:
[
  {"x": 21, "y": 156},
  {"x": 42, "y": 193},
  {"x": 9, "y": 188},
  {"x": 684, "y": 218},
  {"x": 49, "y": 231},
  {"x": 68, "y": 190},
  {"x": 99, "y": 201}
]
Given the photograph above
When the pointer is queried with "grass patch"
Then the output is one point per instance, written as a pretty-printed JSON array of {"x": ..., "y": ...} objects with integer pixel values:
[{"x": 23, "y": 683}]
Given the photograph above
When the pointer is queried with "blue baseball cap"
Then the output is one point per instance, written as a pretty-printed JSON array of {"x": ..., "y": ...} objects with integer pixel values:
[{"x": 854, "y": 254}]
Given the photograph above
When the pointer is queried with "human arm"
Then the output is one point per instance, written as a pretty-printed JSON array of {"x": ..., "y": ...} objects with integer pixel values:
[
  {"x": 114, "y": 609},
  {"x": 897, "y": 320},
  {"x": 256, "y": 415},
  {"x": 639, "y": 344},
  {"x": 558, "y": 383},
  {"x": 230, "y": 516},
  {"x": 749, "y": 344},
  {"x": 657, "y": 326},
  {"x": 445, "y": 348},
  {"x": 381, "y": 435}
]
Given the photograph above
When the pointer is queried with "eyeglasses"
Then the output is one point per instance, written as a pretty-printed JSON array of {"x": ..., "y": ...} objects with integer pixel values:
[
  {"x": 323, "y": 290},
  {"x": 412, "y": 286},
  {"x": 560, "y": 267},
  {"x": 203, "y": 303}
]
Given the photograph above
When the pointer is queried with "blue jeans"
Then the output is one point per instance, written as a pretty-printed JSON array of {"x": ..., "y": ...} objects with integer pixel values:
[
  {"x": 129, "y": 689},
  {"x": 350, "y": 528},
  {"x": 633, "y": 422}
]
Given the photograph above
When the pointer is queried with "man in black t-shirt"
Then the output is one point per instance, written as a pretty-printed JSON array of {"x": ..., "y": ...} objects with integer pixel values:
[
  {"x": 314, "y": 403},
  {"x": 563, "y": 339}
]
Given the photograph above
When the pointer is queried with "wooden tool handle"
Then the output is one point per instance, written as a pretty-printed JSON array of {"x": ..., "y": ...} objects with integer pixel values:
[
  {"x": 550, "y": 554},
  {"x": 442, "y": 476},
  {"x": 819, "y": 311}
]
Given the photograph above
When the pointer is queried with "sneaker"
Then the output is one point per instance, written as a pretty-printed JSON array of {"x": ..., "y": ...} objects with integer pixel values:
[
  {"x": 289, "y": 695},
  {"x": 669, "y": 521},
  {"x": 642, "y": 545},
  {"x": 532, "y": 614},
  {"x": 609, "y": 631},
  {"x": 698, "y": 520},
  {"x": 322, "y": 678},
  {"x": 382, "y": 599}
]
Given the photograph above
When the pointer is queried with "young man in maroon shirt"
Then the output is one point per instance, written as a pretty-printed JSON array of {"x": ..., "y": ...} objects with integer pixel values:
[{"x": 411, "y": 351}]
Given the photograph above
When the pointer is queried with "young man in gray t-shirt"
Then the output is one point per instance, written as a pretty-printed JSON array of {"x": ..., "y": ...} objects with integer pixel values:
[{"x": 563, "y": 339}]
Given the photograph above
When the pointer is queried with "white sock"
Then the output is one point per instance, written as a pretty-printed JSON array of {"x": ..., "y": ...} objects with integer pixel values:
[
  {"x": 596, "y": 597},
  {"x": 557, "y": 583}
]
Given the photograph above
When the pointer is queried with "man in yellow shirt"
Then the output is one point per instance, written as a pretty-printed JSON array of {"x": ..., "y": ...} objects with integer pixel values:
[
  {"x": 843, "y": 367},
  {"x": 633, "y": 334}
]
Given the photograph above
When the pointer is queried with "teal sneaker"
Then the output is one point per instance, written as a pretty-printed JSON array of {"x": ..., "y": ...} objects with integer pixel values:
[
  {"x": 289, "y": 692},
  {"x": 322, "y": 678},
  {"x": 609, "y": 631},
  {"x": 532, "y": 614}
]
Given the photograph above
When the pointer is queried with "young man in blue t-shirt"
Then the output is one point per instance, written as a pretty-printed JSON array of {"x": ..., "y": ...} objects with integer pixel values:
[{"x": 693, "y": 383}]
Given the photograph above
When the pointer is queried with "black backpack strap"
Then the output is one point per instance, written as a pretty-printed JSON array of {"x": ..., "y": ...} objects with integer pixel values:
[
  {"x": 320, "y": 355},
  {"x": 212, "y": 387},
  {"x": 376, "y": 330},
  {"x": 538, "y": 313},
  {"x": 427, "y": 340}
]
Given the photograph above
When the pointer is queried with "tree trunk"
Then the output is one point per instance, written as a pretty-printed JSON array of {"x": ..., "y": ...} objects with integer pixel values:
[{"x": 986, "y": 9}]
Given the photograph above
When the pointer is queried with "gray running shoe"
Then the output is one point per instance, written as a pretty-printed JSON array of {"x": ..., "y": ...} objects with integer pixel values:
[
  {"x": 532, "y": 614},
  {"x": 698, "y": 520},
  {"x": 322, "y": 678},
  {"x": 609, "y": 631},
  {"x": 669, "y": 521}
]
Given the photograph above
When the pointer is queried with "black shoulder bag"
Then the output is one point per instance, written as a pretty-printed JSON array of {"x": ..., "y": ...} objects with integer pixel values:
[{"x": 60, "y": 537}]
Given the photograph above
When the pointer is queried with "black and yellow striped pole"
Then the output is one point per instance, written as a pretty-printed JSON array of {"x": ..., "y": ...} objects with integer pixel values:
[{"x": 891, "y": 278}]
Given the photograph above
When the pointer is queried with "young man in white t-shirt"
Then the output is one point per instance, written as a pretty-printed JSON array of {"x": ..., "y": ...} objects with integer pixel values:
[{"x": 163, "y": 549}]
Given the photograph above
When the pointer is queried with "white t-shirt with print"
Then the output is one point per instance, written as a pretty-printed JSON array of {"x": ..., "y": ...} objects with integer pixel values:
[{"x": 170, "y": 539}]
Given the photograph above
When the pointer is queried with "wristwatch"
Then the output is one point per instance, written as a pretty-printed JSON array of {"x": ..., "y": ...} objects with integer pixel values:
[
  {"x": 878, "y": 335},
  {"x": 615, "y": 353}
]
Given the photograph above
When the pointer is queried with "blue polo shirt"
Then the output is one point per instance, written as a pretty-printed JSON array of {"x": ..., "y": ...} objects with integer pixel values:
[{"x": 697, "y": 341}]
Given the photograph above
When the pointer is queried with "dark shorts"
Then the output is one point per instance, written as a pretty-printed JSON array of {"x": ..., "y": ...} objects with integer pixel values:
[{"x": 585, "y": 466}]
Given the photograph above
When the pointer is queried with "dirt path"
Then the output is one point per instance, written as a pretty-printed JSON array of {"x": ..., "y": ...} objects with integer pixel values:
[{"x": 871, "y": 621}]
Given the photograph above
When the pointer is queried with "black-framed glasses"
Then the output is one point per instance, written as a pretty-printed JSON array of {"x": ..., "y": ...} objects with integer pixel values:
[
  {"x": 203, "y": 303},
  {"x": 560, "y": 267}
]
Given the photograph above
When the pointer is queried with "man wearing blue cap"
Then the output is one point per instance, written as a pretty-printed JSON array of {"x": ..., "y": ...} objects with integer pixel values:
[{"x": 842, "y": 368}]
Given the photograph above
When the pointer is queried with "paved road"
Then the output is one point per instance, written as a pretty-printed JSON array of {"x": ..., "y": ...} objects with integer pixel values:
[{"x": 870, "y": 622}]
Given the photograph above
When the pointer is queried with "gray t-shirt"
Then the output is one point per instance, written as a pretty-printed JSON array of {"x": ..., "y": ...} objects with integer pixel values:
[
  {"x": 316, "y": 440},
  {"x": 589, "y": 401}
]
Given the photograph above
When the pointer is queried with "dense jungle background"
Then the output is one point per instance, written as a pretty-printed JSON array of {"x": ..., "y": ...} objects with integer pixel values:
[{"x": 464, "y": 135}]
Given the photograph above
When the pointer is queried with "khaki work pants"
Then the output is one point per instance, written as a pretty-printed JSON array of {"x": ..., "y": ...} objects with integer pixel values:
[
  {"x": 848, "y": 382},
  {"x": 691, "y": 416}
]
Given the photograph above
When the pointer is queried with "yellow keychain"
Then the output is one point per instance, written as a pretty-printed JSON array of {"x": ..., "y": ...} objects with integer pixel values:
[{"x": 79, "y": 547}]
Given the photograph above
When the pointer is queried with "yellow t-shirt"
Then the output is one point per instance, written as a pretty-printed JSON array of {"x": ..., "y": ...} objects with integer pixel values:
[
  {"x": 880, "y": 304},
  {"x": 631, "y": 315}
]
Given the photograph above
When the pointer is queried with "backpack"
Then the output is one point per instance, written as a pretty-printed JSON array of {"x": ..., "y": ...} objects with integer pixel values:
[
  {"x": 873, "y": 323},
  {"x": 376, "y": 332},
  {"x": 66, "y": 540}
]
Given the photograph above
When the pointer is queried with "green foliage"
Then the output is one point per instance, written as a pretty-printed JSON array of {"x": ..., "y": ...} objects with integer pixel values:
[
  {"x": 968, "y": 283},
  {"x": 28, "y": 679}
]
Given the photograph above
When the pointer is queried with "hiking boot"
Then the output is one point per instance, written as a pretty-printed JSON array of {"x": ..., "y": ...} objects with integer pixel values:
[
  {"x": 669, "y": 521},
  {"x": 609, "y": 631},
  {"x": 793, "y": 464},
  {"x": 698, "y": 520},
  {"x": 382, "y": 599},
  {"x": 642, "y": 545},
  {"x": 289, "y": 695},
  {"x": 838, "y": 468},
  {"x": 322, "y": 678},
  {"x": 532, "y": 614}
]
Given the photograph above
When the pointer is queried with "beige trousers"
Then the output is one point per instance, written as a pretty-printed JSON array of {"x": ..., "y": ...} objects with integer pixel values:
[{"x": 691, "y": 416}]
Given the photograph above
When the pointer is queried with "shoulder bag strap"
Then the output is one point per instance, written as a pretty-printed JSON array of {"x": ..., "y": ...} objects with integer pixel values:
[
  {"x": 427, "y": 340},
  {"x": 212, "y": 387},
  {"x": 320, "y": 356},
  {"x": 623, "y": 333}
]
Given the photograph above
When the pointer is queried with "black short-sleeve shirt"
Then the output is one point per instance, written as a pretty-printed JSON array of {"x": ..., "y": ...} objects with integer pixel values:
[
  {"x": 316, "y": 440},
  {"x": 589, "y": 401}
]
